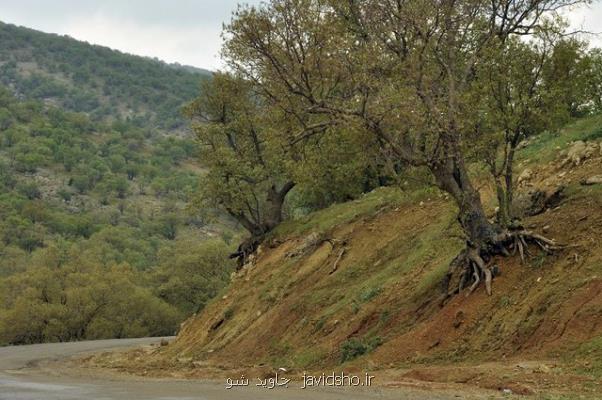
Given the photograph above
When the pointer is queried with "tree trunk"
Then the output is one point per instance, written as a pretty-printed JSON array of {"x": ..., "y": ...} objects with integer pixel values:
[
  {"x": 504, "y": 213},
  {"x": 275, "y": 199},
  {"x": 451, "y": 176},
  {"x": 509, "y": 177},
  {"x": 484, "y": 239},
  {"x": 271, "y": 219}
]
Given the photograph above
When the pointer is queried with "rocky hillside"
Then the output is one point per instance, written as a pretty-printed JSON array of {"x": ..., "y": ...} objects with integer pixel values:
[{"x": 356, "y": 287}]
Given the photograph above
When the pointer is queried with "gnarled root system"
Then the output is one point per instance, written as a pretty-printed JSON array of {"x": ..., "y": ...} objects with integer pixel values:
[{"x": 475, "y": 264}]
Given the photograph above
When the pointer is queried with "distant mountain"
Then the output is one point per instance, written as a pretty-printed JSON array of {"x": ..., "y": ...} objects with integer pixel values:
[{"x": 105, "y": 84}]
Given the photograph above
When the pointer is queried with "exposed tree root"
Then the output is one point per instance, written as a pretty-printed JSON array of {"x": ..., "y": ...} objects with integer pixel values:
[
  {"x": 519, "y": 241},
  {"x": 245, "y": 250},
  {"x": 474, "y": 265},
  {"x": 335, "y": 266}
]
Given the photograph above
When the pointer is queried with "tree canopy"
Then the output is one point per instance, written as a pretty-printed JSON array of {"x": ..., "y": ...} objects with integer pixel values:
[
  {"x": 255, "y": 156},
  {"x": 421, "y": 78}
]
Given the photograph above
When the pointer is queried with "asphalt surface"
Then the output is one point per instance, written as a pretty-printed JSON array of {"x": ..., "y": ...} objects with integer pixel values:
[{"x": 22, "y": 379}]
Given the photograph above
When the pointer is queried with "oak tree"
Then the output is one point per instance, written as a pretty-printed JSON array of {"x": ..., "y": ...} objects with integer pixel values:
[
  {"x": 403, "y": 71},
  {"x": 248, "y": 169}
]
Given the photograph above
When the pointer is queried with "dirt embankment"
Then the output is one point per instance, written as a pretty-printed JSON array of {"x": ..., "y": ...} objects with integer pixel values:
[{"x": 356, "y": 287}]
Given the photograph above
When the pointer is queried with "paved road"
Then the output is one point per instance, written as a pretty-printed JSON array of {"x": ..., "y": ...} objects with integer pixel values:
[{"x": 21, "y": 380}]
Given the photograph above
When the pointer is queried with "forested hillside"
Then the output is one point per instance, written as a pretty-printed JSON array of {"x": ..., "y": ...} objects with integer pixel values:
[
  {"x": 95, "y": 177},
  {"x": 102, "y": 82}
]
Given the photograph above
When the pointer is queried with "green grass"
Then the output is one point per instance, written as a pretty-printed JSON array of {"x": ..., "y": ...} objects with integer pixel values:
[
  {"x": 590, "y": 352},
  {"x": 430, "y": 247},
  {"x": 544, "y": 147},
  {"x": 367, "y": 205},
  {"x": 369, "y": 293},
  {"x": 354, "y": 347},
  {"x": 578, "y": 191},
  {"x": 309, "y": 357}
]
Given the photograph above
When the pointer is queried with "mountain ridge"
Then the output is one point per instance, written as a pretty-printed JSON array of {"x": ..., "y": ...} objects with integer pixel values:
[{"x": 100, "y": 81}]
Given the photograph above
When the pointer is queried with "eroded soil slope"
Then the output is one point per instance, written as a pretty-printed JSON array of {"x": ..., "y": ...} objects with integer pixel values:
[{"x": 356, "y": 287}]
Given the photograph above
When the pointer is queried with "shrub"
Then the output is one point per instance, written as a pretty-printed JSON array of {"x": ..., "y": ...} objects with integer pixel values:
[{"x": 354, "y": 347}]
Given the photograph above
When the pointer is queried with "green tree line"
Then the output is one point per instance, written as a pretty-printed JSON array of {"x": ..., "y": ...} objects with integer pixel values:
[{"x": 95, "y": 241}]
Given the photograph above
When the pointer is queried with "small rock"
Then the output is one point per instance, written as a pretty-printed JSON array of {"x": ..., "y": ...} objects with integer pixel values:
[
  {"x": 536, "y": 201},
  {"x": 522, "y": 366},
  {"x": 593, "y": 180},
  {"x": 546, "y": 229},
  {"x": 592, "y": 149},
  {"x": 507, "y": 391},
  {"x": 200, "y": 364},
  {"x": 580, "y": 151},
  {"x": 525, "y": 176}
]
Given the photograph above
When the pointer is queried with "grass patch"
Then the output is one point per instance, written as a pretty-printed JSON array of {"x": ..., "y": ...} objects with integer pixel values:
[
  {"x": 369, "y": 293},
  {"x": 229, "y": 313},
  {"x": 505, "y": 301},
  {"x": 309, "y": 357},
  {"x": 577, "y": 192},
  {"x": 320, "y": 323},
  {"x": 595, "y": 135},
  {"x": 591, "y": 352},
  {"x": 538, "y": 260},
  {"x": 354, "y": 347},
  {"x": 543, "y": 147},
  {"x": 367, "y": 205}
]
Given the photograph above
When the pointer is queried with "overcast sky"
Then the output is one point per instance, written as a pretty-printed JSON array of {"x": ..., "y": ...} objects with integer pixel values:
[{"x": 184, "y": 31}]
